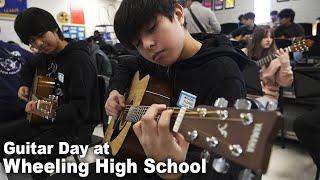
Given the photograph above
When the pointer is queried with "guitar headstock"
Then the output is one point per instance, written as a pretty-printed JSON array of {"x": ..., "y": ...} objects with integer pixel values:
[
  {"x": 302, "y": 45},
  {"x": 238, "y": 134},
  {"x": 47, "y": 107}
]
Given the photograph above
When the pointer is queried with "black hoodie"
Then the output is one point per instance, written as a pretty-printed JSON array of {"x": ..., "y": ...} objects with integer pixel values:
[
  {"x": 213, "y": 72},
  {"x": 76, "y": 86}
]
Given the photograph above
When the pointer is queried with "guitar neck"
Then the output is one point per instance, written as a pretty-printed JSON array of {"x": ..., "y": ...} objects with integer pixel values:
[
  {"x": 271, "y": 57},
  {"x": 134, "y": 113}
]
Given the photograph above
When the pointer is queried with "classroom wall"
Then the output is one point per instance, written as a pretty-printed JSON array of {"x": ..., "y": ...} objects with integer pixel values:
[
  {"x": 95, "y": 12},
  {"x": 306, "y": 10},
  {"x": 231, "y": 15}
]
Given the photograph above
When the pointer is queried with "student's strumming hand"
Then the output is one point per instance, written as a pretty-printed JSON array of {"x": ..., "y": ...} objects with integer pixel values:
[
  {"x": 31, "y": 107},
  {"x": 115, "y": 103}
]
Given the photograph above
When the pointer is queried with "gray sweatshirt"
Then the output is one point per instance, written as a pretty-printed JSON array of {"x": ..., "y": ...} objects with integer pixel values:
[{"x": 205, "y": 16}]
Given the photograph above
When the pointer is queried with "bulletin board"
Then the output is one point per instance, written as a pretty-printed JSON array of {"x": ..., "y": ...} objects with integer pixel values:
[
  {"x": 10, "y": 8},
  {"x": 74, "y": 31}
]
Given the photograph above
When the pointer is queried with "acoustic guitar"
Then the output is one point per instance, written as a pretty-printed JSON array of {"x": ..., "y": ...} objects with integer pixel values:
[
  {"x": 42, "y": 92},
  {"x": 299, "y": 46},
  {"x": 238, "y": 134}
]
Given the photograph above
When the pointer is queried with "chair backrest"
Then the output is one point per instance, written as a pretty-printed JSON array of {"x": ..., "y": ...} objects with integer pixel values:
[
  {"x": 227, "y": 28},
  {"x": 318, "y": 29},
  {"x": 307, "y": 28}
]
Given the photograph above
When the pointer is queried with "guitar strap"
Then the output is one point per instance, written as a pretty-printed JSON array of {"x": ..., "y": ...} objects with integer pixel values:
[{"x": 197, "y": 21}]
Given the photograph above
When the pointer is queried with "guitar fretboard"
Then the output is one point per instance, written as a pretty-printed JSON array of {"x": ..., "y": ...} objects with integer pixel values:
[
  {"x": 136, "y": 112},
  {"x": 269, "y": 58}
]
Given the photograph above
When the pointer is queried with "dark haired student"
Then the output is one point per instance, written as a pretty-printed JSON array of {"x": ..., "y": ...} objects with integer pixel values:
[
  {"x": 288, "y": 29},
  {"x": 76, "y": 85},
  {"x": 204, "y": 65}
]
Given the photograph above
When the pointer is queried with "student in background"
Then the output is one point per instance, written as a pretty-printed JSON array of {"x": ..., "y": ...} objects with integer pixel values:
[
  {"x": 99, "y": 39},
  {"x": 240, "y": 20},
  {"x": 288, "y": 29},
  {"x": 99, "y": 58},
  {"x": 244, "y": 32},
  {"x": 275, "y": 74},
  {"x": 204, "y": 15},
  {"x": 76, "y": 87},
  {"x": 12, "y": 59},
  {"x": 274, "y": 19}
]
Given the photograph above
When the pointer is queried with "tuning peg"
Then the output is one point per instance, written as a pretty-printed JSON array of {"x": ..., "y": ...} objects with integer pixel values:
[
  {"x": 221, "y": 103},
  {"x": 205, "y": 155},
  {"x": 242, "y": 104},
  {"x": 202, "y": 112},
  {"x": 220, "y": 165},
  {"x": 212, "y": 142},
  {"x": 247, "y": 118},
  {"x": 193, "y": 135},
  {"x": 236, "y": 150},
  {"x": 246, "y": 174},
  {"x": 223, "y": 114}
]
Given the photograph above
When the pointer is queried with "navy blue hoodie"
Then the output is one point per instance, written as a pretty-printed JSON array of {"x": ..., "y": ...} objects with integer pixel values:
[{"x": 12, "y": 58}]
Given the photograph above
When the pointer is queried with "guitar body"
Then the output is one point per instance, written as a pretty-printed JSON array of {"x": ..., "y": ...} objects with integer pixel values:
[
  {"x": 119, "y": 134},
  {"x": 42, "y": 87}
]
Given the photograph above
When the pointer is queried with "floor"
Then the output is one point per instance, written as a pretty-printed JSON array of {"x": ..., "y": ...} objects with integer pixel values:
[{"x": 290, "y": 163}]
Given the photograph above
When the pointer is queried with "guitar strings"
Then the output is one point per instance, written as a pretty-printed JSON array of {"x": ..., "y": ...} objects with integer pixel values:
[{"x": 142, "y": 110}]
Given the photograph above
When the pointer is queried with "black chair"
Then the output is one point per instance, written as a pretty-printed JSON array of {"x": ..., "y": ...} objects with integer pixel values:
[
  {"x": 307, "y": 28},
  {"x": 95, "y": 140},
  {"x": 283, "y": 125},
  {"x": 318, "y": 29},
  {"x": 227, "y": 28},
  {"x": 318, "y": 174}
]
